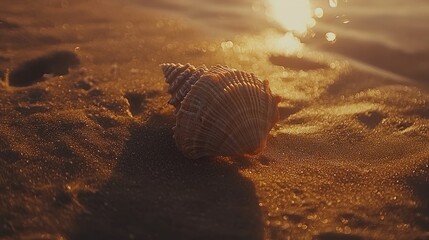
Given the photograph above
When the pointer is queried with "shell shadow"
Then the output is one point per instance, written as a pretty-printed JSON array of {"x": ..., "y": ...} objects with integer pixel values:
[
  {"x": 419, "y": 186},
  {"x": 155, "y": 193}
]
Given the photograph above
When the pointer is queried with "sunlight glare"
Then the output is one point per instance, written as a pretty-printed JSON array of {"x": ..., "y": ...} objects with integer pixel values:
[{"x": 294, "y": 15}]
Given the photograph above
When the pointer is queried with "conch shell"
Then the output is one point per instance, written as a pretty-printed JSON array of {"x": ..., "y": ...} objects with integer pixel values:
[{"x": 220, "y": 111}]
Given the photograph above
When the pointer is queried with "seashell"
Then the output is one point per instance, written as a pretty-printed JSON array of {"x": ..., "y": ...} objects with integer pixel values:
[{"x": 220, "y": 111}]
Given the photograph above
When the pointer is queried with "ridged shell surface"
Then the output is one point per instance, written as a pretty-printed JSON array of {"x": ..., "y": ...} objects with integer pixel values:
[{"x": 219, "y": 111}]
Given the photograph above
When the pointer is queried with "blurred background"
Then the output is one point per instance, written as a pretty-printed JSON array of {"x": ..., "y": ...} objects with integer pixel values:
[{"x": 389, "y": 35}]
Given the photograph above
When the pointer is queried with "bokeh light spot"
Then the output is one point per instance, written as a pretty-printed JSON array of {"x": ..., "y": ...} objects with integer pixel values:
[
  {"x": 318, "y": 12},
  {"x": 331, "y": 37},
  {"x": 333, "y": 3}
]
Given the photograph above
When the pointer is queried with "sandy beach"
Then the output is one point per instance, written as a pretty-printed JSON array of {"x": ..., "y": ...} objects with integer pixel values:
[{"x": 86, "y": 139}]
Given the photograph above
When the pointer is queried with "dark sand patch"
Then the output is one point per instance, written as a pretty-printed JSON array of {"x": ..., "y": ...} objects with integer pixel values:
[
  {"x": 286, "y": 111},
  {"x": 138, "y": 100},
  {"x": 337, "y": 236},
  {"x": 4, "y": 59},
  {"x": 295, "y": 63},
  {"x": 32, "y": 71},
  {"x": 371, "y": 118},
  {"x": 5, "y": 24}
]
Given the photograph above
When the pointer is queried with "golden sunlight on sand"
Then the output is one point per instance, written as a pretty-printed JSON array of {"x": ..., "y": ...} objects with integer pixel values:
[{"x": 88, "y": 143}]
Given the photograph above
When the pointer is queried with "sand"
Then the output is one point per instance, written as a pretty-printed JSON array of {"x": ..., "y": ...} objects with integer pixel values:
[{"x": 86, "y": 147}]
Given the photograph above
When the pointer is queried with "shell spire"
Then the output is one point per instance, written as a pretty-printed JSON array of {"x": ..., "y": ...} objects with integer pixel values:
[
  {"x": 219, "y": 111},
  {"x": 180, "y": 78}
]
